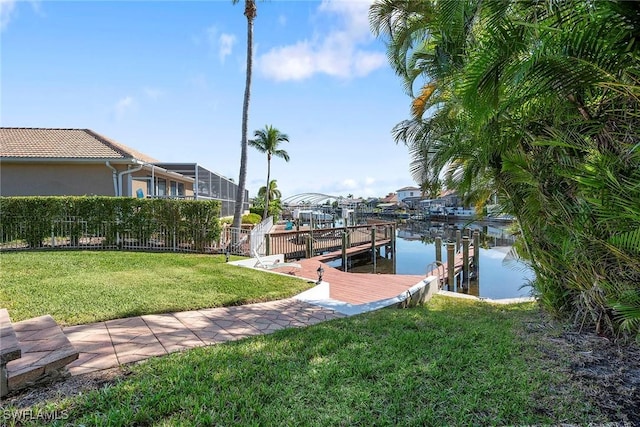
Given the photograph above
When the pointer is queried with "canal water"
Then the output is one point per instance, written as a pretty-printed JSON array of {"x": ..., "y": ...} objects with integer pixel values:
[{"x": 499, "y": 275}]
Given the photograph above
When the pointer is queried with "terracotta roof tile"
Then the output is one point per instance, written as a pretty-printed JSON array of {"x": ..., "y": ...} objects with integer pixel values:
[
  {"x": 63, "y": 143},
  {"x": 390, "y": 198}
]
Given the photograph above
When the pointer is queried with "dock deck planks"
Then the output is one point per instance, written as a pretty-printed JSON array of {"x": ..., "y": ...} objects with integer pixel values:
[{"x": 355, "y": 288}]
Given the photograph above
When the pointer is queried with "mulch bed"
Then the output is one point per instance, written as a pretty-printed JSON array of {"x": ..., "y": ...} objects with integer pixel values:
[{"x": 607, "y": 371}]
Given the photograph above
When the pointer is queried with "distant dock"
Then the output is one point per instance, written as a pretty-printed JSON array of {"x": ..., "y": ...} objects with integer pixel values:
[{"x": 331, "y": 243}]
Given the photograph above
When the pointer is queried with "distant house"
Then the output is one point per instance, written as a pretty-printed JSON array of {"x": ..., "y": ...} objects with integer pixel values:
[
  {"x": 349, "y": 203},
  {"x": 449, "y": 203},
  {"x": 449, "y": 198},
  {"x": 371, "y": 202},
  {"x": 408, "y": 192},
  {"x": 75, "y": 162},
  {"x": 390, "y": 198},
  {"x": 388, "y": 207}
]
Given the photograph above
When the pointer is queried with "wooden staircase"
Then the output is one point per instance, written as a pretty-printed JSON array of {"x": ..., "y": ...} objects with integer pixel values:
[{"x": 31, "y": 351}]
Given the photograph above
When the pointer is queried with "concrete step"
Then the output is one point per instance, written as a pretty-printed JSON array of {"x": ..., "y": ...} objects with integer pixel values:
[
  {"x": 45, "y": 352},
  {"x": 9, "y": 348}
]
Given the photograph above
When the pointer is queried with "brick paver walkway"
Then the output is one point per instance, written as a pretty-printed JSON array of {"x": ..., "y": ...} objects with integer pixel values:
[{"x": 109, "y": 344}]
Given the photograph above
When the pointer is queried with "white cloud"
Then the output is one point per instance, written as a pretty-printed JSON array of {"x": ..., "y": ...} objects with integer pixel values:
[
  {"x": 220, "y": 43},
  {"x": 36, "y": 6},
  {"x": 7, "y": 8},
  {"x": 8, "y": 11},
  {"x": 295, "y": 62},
  {"x": 337, "y": 52},
  {"x": 344, "y": 187},
  {"x": 225, "y": 45},
  {"x": 211, "y": 35},
  {"x": 124, "y": 106},
  {"x": 359, "y": 187},
  {"x": 355, "y": 13},
  {"x": 366, "y": 62},
  {"x": 350, "y": 183}
]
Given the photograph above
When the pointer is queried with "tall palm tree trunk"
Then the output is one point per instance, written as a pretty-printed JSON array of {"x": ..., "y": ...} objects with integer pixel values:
[
  {"x": 250, "y": 13},
  {"x": 268, "y": 192}
]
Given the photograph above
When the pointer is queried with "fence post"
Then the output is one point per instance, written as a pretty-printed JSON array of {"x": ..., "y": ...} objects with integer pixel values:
[
  {"x": 393, "y": 240},
  {"x": 344, "y": 250},
  {"x": 476, "y": 251},
  {"x": 451, "y": 263},
  {"x": 307, "y": 241},
  {"x": 267, "y": 244},
  {"x": 465, "y": 259},
  {"x": 373, "y": 247},
  {"x": 174, "y": 240},
  {"x": 373, "y": 239}
]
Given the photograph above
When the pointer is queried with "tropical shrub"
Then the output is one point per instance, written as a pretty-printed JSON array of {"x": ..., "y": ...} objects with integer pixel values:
[
  {"x": 33, "y": 219},
  {"x": 537, "y": 101},
  {"x": 252, "y": 218}
]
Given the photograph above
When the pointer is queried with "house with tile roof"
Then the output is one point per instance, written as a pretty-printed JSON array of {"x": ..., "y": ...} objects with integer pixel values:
[
  {"x": 76, "y": 162},
  {"x": 390, "y": 198}
]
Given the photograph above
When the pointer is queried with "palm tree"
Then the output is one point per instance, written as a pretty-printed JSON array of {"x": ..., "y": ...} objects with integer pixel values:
[
  {"x": 267, "y": 141},
  {"x": 273, "y": 197},
  {"x": 274, "y": 192},
  {"x": 538, "y": 101},
  {"x": 250, "y": 11},
  {"x": 426, "y": 39}
]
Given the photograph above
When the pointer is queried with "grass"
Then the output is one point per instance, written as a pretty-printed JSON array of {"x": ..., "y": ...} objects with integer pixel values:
[
  {"x": 453, "y": 362},
  {"x": 89, "y": 286}
]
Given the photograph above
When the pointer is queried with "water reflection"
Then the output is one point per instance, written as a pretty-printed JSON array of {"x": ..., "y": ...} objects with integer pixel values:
[{"x": 415, "y": 249}]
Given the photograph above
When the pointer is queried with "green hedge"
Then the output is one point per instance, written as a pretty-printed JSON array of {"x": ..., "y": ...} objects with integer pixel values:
[{"x": 32, "y": 219}]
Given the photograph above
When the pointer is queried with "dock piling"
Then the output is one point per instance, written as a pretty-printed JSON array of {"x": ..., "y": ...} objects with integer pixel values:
[
  {"x": 476, "y": 250},
  {"x": 308, "y": 246},
  {"x": 439, "y": 249},
  {"x": 451, "y": 262},
  {"x": 465, "y": 260},
  {"x": 344, "y": 250},
  {"x": 373, "y": 247}
]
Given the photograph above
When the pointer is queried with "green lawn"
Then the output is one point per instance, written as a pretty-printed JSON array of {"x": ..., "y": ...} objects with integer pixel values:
[
  {"x": 454, "y": 362},
  {"x": 88, "y": 286}
]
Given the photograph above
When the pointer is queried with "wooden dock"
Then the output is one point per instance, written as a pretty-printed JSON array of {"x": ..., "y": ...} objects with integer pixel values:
[
  {"x": 355, "y": 288},
  {"x": 362, "y": 288},
  {"x": 366, "y": 288}
]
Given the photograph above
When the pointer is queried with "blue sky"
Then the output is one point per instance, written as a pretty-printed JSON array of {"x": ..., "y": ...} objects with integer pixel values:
[{"x": 167, "y": 78}]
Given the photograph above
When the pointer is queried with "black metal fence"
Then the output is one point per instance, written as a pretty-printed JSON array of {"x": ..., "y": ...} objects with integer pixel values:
[{"x": 77, "y": 233}]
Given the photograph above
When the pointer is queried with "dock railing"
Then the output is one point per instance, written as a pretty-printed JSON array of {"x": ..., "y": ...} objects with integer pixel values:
[
  {"x": 257, "y": 240},
  {"x": 438, "y": 268},
  {"x": 307, "y": 243}
]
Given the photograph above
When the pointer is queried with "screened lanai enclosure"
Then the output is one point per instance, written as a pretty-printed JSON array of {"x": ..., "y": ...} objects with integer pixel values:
[{"x": 210, "y": 185}]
